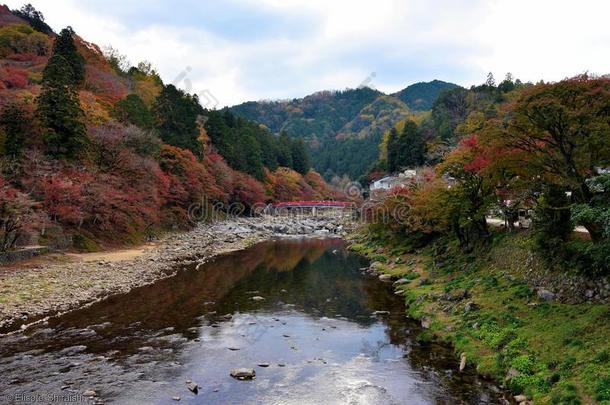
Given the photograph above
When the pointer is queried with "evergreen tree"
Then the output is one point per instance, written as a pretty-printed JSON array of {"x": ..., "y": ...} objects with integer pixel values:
[
  {"x": 64, "y": 46},
  {"x": 284, "y": 157},
  {"x": 132, "y": 110},
  {"x": 252, "y": 156},
  {"x": 490, "y": 81},
  {"x": 300, "y": 159},
  {"x": 15, "y": 124},
  {"x": 175, "y": 116},
  {"x": 60, "y": 111},
  {"x": 269, "y": 150},
  {"x": 393, "y": 150},
  {"x": 411, "y": 148}
]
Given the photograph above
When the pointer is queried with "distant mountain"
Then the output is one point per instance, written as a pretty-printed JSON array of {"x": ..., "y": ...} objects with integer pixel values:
[
  {"x": 375, "y": 118},
  {"x": 315, "y": 117},
  {"x": 343, "y": 128},
  {"x": 421, "y": 96}
]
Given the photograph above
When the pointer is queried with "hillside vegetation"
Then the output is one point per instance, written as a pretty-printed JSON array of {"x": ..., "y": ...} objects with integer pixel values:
[
  {"x": 95, "y": 150},
  {"x": 337, "y": 124}
]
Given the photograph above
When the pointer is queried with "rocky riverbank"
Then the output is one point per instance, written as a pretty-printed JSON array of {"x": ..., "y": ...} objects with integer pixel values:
[{"x": 32, "y": 291}]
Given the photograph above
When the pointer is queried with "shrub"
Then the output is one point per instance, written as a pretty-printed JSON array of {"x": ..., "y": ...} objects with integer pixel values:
[{"x": 18, "y": 214}]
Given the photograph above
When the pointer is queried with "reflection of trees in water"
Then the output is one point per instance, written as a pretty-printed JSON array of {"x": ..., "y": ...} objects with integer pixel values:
[
  {"x": 327, "y": 286},
  {"x": 373, "y": 351},
  {"x": 179, "y": 301}
]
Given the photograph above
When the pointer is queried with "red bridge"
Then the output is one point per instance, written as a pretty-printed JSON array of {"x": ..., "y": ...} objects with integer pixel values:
[{"x": 313, "y": 205}]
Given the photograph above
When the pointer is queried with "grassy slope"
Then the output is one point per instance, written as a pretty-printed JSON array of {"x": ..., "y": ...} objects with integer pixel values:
[{"x": 559, "y": 353}]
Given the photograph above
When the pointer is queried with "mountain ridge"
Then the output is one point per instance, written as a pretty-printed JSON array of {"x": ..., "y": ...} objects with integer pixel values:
[{"x": 343, "y": 125}]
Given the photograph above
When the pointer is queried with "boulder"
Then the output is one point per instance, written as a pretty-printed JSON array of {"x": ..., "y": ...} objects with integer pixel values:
[
  {"x": 385, "y": 278},
  {"x": 470, "y": 306},
  {"x": 463, "y": 362},
  {"x": 193, "y": 387},
  {"x": 545, "y": 295},
  {"x": 243, "y": 373},
  {"x": 423, "y": 281},
  {"x": 520, "y": 398},
  {"x": 401, "y": 281},
  {"x": 376, "y": 265}
]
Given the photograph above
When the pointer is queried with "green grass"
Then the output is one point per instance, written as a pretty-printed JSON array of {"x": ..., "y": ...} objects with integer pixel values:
[{"x": 556, "y": 353}]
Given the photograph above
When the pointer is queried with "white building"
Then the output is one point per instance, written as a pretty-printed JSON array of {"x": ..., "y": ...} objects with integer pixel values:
[{"x": 388, "y": 182}]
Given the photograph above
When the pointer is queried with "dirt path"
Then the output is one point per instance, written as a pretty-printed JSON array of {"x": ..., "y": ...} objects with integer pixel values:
[{"x": 112, "y": 255}]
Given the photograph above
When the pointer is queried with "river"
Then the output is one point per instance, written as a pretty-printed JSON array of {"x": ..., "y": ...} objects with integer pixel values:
[{"x": 299, "y": 312}]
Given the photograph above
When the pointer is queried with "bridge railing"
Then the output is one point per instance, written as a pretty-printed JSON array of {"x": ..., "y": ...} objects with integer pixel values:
[{"x": 294, "y": 206}]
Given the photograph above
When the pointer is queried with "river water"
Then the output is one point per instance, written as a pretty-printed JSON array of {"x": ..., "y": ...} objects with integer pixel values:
[{"x": 316, "y": 329}]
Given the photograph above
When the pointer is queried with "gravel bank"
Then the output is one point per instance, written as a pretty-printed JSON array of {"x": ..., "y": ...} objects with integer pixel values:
[{"x": 33, "y": 292}]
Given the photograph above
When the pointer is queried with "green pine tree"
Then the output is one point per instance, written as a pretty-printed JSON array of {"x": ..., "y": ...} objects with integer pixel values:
[
  {"x": 300, "y": 159},
  {"x": 132, "y": 110},
  {"x": 393, "y": 150},
  {"x": 64, "y": 46},
  {"x": 175, "y": 115},
  {"x": 412, "y": 148},
  {"x": 284, "y": 157},
  {"x": 60, "y": 111}
]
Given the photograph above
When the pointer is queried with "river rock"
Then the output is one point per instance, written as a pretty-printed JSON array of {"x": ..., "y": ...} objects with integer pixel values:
[
  {"x": 423, "y": 281},
  {"x": 463, "y": 362},
  {"x": 176, "y": 399},
  {"x": 401, "y": 281},
  {"x": 385, "y": 278},
  {"x": 376, "y": 265},
  {"x": 426, "y": 322},
  {"x": 90, "y": 393},
  {"x": 193, "y": 387},
  {"x": 257, "y": 298},
  {"x": 520, "y": 398},
  {"x": 243, "y": 373},
  {"x": 456, "y": 295},
  {"x": 470, "y": 306},
  {"x": 545, "y": 295},
  {"x": 381, "y": 313}
]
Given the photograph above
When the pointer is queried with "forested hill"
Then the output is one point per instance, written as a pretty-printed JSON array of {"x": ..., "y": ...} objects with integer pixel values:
[
  {"x": 343, "y": 128},
  {"x": 94, "y": 149},
  {"x": 421, "y": 96}
]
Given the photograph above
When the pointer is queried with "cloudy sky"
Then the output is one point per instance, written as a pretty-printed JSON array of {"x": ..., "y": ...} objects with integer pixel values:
[{"x": 241, "y": 50}]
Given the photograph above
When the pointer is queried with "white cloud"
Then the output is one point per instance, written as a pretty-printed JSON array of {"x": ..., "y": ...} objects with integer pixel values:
[{"x": 339, "y": 43}]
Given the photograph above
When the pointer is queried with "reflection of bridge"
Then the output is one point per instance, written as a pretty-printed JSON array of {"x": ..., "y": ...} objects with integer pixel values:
[{"x": 302, "y": 206}]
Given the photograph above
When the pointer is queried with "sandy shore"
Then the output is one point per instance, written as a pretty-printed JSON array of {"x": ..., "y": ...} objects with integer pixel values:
[{"x": 58, "y": 283}]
